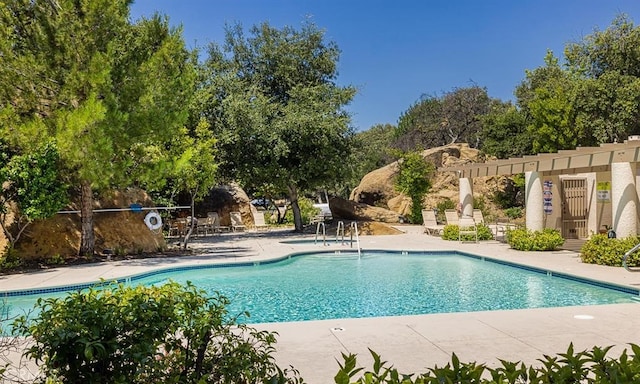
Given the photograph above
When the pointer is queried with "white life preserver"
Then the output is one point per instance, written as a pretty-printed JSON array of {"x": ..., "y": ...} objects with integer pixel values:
[{"x": 153, "y": 221}]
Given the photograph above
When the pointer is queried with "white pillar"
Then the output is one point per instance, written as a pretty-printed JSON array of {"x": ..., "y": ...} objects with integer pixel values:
[
  {"x": 623, "y": 199},
  {"x": 534, "y": 201},
  {"x": 466, "y": 196}
]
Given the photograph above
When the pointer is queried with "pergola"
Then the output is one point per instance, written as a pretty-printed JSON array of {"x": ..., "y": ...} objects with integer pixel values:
[{"x": 610, "y": 178}]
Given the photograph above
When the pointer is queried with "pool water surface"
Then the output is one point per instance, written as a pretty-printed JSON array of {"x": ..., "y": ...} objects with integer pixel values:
[{"x": 328, "y": 285}]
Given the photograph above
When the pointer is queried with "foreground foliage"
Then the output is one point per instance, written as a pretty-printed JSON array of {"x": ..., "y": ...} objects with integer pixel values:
[
  {"x": 600, "y": 249},
  {"x": 591, "y": 366},
  {"x": 523, "y": 239},
  {"x": 168, "y": 333},
  {"x": 451, "y": 232}
]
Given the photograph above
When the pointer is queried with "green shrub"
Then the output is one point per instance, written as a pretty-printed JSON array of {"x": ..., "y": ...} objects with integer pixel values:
[
  {"x": 523, "y": 239},
  {"x": 451, "y": 232},
  {"x": 593, "y": 366},
  {"x": 514, "y": 213},
  {"x": 11, "y": 259},
  {"x": 169, "y": 333},
  {"x": 599, "y": 249},
  {"x": 307, "y": 211}
]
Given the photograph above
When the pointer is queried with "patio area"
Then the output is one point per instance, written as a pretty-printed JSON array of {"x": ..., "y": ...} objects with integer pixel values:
[{"x": 410, "y": 343}]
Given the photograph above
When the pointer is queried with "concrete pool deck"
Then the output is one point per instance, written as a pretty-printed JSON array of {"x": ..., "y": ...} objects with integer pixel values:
[{"x": 410, "y": 343}]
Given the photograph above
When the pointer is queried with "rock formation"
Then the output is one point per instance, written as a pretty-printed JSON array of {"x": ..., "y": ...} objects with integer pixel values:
[{"x": 377, "y": 187}]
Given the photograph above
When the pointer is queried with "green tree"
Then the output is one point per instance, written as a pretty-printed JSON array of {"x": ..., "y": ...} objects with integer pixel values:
[
  {"x": 614, "y": 49},
  {"x": 32, "y": 181},
  {"x": 195, "y": 168},
  {"x": 504, "y": 132},
  {"x": 455, "y": 117},
  {"x": 371, "y": 151},
  {"x": 277, "y": 112},
  {"x": 420, "y": 126},
  {"x": 547, "y": 97},
  {"x": 110, "y": 94},
  {"x": 413, "y": 180},
  {"x": 607, "y": 103},
  {"x": 462, "y": 111}
]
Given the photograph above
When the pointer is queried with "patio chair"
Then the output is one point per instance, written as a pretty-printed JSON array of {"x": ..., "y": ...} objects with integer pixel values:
[
  {"x": 215, "y": 223},
  {"x": 478, "y": 217},
  {"x": 258, "y": 219},
  {"x": 236, "y": 221},
  {"x": 451, "y": 215},
  {"x": 430, "y": 223},
  {"x": 178, "y": 227},
  {"x": 467, "y": 228}
]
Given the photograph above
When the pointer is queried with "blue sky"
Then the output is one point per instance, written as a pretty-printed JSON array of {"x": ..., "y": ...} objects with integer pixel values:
[{"x": 395, "y": 51}]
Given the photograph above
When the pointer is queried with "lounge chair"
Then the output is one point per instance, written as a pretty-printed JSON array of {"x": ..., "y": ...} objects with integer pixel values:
[
  {"x": 236, "y": 221},
  {"x": 430, "y": 223},
  {"x": 215, "y": 223},
  {"x": 258, "y": 219},
  {"x": 478, "y": 217},
  {"x": 451, "y": 216},
  {"x": 467, "y": 226}
]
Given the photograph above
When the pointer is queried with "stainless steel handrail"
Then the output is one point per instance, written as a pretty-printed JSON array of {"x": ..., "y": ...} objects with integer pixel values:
[
  {"x": 626, "y": 256},
  {"x": 324, "y": 233},
  {"x": 354, "y": 229}
]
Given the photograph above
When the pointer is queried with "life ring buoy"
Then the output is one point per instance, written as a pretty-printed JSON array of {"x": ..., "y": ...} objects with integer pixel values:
[{"x": 153, "y": 221}]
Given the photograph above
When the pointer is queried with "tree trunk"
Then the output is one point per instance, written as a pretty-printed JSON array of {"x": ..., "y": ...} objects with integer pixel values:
[
  {"x": 192, "y": 222},
  {"x": 87, "y": 239},
  {"x": 297, "y": 217}
]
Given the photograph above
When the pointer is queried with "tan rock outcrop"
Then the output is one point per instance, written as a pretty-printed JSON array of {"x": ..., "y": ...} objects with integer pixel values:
[
  {"x": 350, "y": 210},
  {"x": 377, "y": 187},
  {"x": 123, "y": 232}
]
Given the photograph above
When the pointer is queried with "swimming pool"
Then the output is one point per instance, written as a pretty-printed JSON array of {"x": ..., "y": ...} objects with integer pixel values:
[{"x": 328, "y": 285}]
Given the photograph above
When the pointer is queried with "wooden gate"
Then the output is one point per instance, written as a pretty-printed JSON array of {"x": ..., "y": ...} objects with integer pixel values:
[{"x": 574, "y": 208}]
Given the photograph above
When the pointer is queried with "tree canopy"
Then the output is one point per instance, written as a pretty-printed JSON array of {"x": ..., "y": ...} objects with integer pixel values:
[
  {"x": 433, "y": 121},
  {"x": 109, "y": 93},
  {"x": 276, "y": 110}
]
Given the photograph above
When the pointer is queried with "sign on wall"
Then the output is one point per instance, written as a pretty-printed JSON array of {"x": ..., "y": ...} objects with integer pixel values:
[
  {"x": 547, "y": 196},
  {"x": 603, "y": 191}
]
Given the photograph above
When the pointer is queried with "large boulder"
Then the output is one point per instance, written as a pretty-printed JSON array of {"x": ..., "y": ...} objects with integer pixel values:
[
  {"x": 121, "y": 232},
  {"x": 224, "y": 200},
  {"x": 377, "y": 187},
  {"x": 350, "y": 210}
]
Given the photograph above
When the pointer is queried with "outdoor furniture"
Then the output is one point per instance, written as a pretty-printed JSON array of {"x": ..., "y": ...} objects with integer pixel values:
[
  {"x": 258, "y": 219},
  {"x": 215, "y": 226},
  {"x": 236, "y": 221},
  {"x": 430, "y": 223},
  {"x": 467, "y": 226},
  {"x": 178, "y": 227},
  {"x": 451, "y": 215},
  {"x": 478, "y": 217}
]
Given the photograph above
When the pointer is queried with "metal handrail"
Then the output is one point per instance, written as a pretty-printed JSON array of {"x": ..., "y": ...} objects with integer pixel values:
[
  {"x": 626, "y": 256},
  {"x": 354, "y": 229},
  {"x": 324, "y": 233},
  {"x": 340, "y": 231}
]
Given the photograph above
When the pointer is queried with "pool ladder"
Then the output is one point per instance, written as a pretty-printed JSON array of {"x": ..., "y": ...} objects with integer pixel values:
[
  {"x": 324, "y": 233},
  {"x": 626, "y": 256},
  {"x": 353, "y": 230}
]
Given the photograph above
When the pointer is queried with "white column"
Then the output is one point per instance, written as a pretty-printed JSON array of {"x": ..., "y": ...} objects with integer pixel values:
[
  {"x": 466, "y": 196},
  {"x": 534, "y": 201},
  {"x": 623, "y": 199}
]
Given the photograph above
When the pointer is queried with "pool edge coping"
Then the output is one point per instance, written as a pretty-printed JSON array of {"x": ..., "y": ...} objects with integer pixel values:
[{"x": 239, "y": 263}]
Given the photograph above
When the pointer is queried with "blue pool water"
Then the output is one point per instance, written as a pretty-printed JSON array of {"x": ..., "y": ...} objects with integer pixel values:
[{"x": 328, "y": 285}]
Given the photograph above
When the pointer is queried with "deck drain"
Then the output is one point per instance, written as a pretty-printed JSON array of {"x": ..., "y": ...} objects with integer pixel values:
[
  {"x": 583, "y": 317},
  {"x": 337, "y": 329}
]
